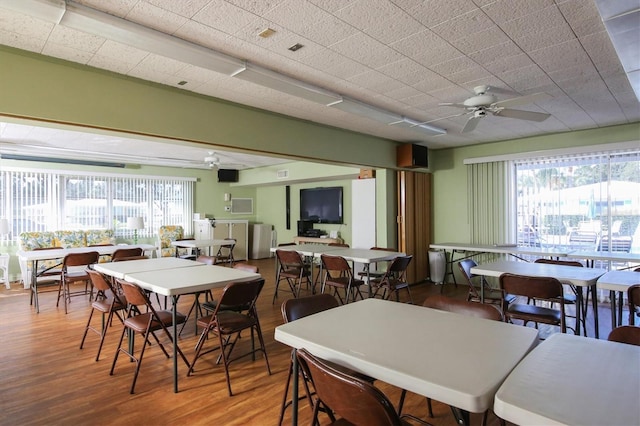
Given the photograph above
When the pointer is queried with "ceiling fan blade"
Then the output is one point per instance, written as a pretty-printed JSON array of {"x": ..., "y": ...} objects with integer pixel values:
[
  {"x": 522, "y": 115},
  {"x": 471, "y": 124},
  {"x": 452, "y": 104},
  {"x": 441, "y": 118},
  {"x": 522, "y": 100}
]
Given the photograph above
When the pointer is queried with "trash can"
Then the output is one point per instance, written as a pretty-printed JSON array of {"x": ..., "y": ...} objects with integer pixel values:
[{"x": 437, "y": 266}]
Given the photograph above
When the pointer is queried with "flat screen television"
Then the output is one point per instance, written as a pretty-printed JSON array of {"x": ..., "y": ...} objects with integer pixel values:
[{"x": 321, "y": 205}]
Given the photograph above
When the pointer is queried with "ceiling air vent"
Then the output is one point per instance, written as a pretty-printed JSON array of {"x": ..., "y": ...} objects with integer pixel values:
[{"x": 282, "y": 174}]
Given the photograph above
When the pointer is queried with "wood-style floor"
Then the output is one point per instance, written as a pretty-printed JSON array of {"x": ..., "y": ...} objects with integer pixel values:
[{"x": 46, "y": 379}]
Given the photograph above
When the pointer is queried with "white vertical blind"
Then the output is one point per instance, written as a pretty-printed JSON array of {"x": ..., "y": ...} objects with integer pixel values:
[{"x": 489, "y": 220}]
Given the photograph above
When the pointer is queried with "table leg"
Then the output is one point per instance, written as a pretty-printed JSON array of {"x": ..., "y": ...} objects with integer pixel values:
[
  {"x": 579, "y": 304},
  {"x": 620, "y": 304},
  {"x": 612, "y": 300},
  {"x": 594, "y": 303},
  {"x": 174, "y": 315},
  {"x": 294, "y": 391},
  {"x": 461, "y": 416},
  {"x": 34, "y": 285}
]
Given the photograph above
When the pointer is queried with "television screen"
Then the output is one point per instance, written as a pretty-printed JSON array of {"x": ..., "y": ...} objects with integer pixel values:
[{"x": 321, "y": 205}]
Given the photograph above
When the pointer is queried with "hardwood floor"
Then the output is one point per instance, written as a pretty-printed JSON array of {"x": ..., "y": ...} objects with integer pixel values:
[{"x": 47, "y": 379}]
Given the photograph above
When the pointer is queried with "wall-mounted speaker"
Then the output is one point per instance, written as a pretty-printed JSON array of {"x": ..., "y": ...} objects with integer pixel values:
[
  {"x": 227, "y": 175},
  {"x": 412, "y": 155}
]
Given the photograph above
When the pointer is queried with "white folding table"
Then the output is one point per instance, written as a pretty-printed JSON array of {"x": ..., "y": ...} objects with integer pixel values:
[
  {"x": 422, "y": 350},
  {"x": 570, "y": 380},
  {"x": 121, "y": 269},
  {"x": 35, "y": 256},
  {"x": 578, "y": 277},
  {"x": 614, "y": 256},
  {"x": 617, "y": 282},
  {"x": 177, "y": 281},
  {"x": 198, "y": 244}
]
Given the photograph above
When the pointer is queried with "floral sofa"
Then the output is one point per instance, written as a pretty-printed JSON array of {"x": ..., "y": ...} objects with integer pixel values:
[{"x": 64, "y": 239}]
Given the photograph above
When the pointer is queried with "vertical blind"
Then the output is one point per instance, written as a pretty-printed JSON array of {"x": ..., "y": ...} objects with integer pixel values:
[{"x": 40, "y": 201}]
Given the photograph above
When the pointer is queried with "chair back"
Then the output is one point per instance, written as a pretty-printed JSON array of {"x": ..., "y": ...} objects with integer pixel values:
[
  {"x": 335, "y": 264},
  {"x": 293, "y": 309},
  {"x": 465, "y": 266},
  {"x": 628, "y": 334},
  {"x": 463, "y": 307},
  {"x": 122, "y": 259},
  {"x": 98, "y": 281},
  {"x": 560, "y": 262},
  {"x": 126, "y": 252},
  {"x": 338, "y": 245},
  {"x": 80, "y": 259},
  {"x": 543, "y": 288},
  {"x": 134, "y": 294},
  {"x": 244, "y": 293},
  {"x": 289, "y": 259},
  {"x": 351, "y": 398},
  {"x": 400, "y": 264},
  {"x": 383, "y": 248},
  {"x": 246, "y": 267},
  {"x": 209, "y": 260},
  {"x": 286, "y": 244}
]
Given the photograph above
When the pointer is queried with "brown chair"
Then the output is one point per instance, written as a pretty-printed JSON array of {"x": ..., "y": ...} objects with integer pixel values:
[
  {"x": 126, "y": 252},
  {"x": 491, "y": 295},
  {"x": 293, "y": 270},
  {"x": 571, "y": 298},
  {"x": 208, "y": 260},
  {"x": 537, "y": 288},
  {"x": 144, "y": 323},
  {"x": 394, "y": 279},
  {"x": 124, "y": 259},
  {"x": 226, "y": 324},
  {"x": 338, "y": 245},
  {"x": 464, "y": 307},
  {"x": 633, "y": 296},
  {"x": 212, "y": 304},
  {"x": 628, "y": 334},
  {"x": 376, "y": 273},
  {"x": 338, "y": 275},
  {"x": 107, "y": 301},
  {"x": 74, "y": 269},
  {"x": 356, "y": 401},
  {"x": 225, "y": 252}
]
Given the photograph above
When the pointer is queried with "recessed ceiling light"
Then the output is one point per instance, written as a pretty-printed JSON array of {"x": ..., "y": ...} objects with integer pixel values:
[
  {"x": 295, "y": 47},
  {"x": 267, "y": 33}
]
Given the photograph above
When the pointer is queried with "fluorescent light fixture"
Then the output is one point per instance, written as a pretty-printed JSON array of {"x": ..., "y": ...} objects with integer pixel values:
[
  {"x": 282, "y": 83},
  {"x": 359, "y": 108},
  {"x": 48, "y": 10},
  {"x": 621, "y": 20},
  {"x": 418, "y": 126},
  {"x": 91, "y": 21}
]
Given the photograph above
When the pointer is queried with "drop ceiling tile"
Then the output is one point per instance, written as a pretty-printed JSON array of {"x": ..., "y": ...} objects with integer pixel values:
[
  {"x": 601, "y": 51},
  {"x": 297, "y": 16},
  {"x": 203, "y": 35},
  {"x": 118, "y": 8},
  {"x": 66, "y": 53},
  {"x": 502, "y": 11},
  {"x": 367, "y": 14},
  {"x": 454, "y": 94},
  {"x": 548, "y": 20},
  {"x": 21, "y": 42},
  {"x": 332, "y": 6},
  {"x": 330, "y": 31},
  {"x": 414, "y": 45},
  {"x": 366, "y": 50},
  {"x": 465, "y": 75},
  {"x": 405, "y": 70},
  {"x": 257, "y": 7},
  {"x": 453, "y": 66},
  {"x": 433, "y": 84},
  {"x": 577, "y": 72},
  {"x": 151, "y": 74},
  {"x": 509, "y": 63},
  {"x": 224, "y": 16},
  {"x": 75, "y": 39},
  {"x": 24, "y": 25},
  {"x": 494, "y": 53},
  {"x": 474, "y": 42},
  {"x": 461, "y": 26},
  {"x": 564, "y": 55},
  {"x": 433, "y": 12},
  {"x": 111, "y": 64},
  {"x": 156, "y": 18},
  {"x": 583, "y": 16},
  {"x": 115, "y": 50},
  {"x": 183, "y": 8},
  {"x": 421, "y": 101},
  {"x": 374, "y": 80}
]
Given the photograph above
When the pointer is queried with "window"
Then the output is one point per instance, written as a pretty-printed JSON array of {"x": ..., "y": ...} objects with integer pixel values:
[
  {"x": 40, "y": 201},
  {"x": 589, "y": 203}
]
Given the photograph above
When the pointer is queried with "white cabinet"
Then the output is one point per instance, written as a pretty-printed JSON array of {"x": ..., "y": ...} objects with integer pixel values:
[
  {"x": 236, "y": 229},
  {"x": 202, "y": 229},
  {"x": 261, "y": 236}
]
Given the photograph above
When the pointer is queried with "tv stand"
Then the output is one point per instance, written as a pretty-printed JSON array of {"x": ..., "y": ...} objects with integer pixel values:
[{"x": 303, "y": 240}]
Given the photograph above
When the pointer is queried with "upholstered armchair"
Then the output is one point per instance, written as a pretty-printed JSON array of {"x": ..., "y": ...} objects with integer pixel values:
[{"x": 167, "y": 234}]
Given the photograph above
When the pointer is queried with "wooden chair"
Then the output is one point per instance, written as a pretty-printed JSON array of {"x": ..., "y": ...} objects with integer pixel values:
[
  {"x": 356, "y": 401},
  {"x": 394, "y": 279},
  {"x": 338, "y": 275},
  {"x": 491, "y": 295},
  {"x": 538, "y": 288},
  {"x": 107, "y": 301},
  {"x": 293, "y": 270},
  {"x": 225, "y": 324},
  {"x": 74, "y": 269},
  {"x": 628, "y": 334},
  {"x": 146, "y": 324},
  {"x": 126, "y": 252}
]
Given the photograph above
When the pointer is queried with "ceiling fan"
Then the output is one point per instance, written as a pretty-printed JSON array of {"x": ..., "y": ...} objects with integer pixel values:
[
  {"x": 214, "y": 163},
  {"x": 483, "y": 103}
]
